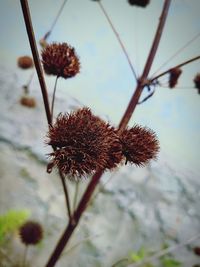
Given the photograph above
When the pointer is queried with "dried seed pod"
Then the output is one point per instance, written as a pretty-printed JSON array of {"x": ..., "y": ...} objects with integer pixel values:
[
  {"x": 31, "y": 233},
  {"x": 84, "y": 143},
  {"x": 174, "y": 74},
  {"x": 197, "y": 82},
  {"x": 139, "y": 145},
  {"x": 141, "y": 3},
  {"x": 25, "y": 62},
  {"x": 60, "y": 60},
  {"x": 28, "y": 101}
]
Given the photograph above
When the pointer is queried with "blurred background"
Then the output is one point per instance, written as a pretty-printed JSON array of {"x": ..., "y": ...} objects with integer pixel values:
[{"x": 139, "y": 208}]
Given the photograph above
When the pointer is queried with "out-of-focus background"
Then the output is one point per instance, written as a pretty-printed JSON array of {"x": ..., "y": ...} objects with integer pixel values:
[{"x": 147, "y": 207}]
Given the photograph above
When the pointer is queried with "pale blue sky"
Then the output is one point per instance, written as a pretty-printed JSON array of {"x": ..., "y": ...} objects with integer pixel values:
[{"x": 106, "y": 83}]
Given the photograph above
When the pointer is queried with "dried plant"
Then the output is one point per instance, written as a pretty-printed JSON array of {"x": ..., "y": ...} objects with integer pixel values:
[
  {"x": 60, "y": 60},
  {"x": 31, "y": 233},
  {"x": 174, "y": 74},
  {"x": 84, "y": 143},
  {"x": 139, "y": 145}
]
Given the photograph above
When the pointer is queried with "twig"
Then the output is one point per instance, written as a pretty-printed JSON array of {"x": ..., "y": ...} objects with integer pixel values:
[
  {"x": 177, "y": 66},
  {"x": 55, "y": 20},
  {"x": 147, "y": 97},
  {"x": 75, "y": 194},
  {"x": 177, "y": 52},
  {"x": 118, "y": 38},
  {"x": 134, "y": 100},
  {"x": 30, "y": 32},
  {"x": 53, "y": 98},
  {"x": 164, "y": 252},
  {"x": 31, "y": 36},
  {"x": 66, "y": 194},
  {"x": 125, "y": 119}
]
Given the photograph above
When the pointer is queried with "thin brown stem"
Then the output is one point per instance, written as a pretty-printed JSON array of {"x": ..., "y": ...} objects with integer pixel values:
[
  {"x": 118, "y": 38},
  {"x": 66, "y": 194},
  {"x": 177, "y": 66},
  {"x": 53, "y": 98},
  {"x": 76, "y": 195},
  {"x": 125, "y": 119},
  {"x": 31, "y": 36}
]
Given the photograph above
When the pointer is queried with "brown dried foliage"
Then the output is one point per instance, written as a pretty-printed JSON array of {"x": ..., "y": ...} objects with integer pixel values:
[
  {"x": 139, "y": 145},
  {"x": 60, "y": 60},
  {"x": 25, "y": 62},
  {"x": 84, "y": 143},
  {"x": 174, "y": 74},
  {"x": 31, "y": 233}
]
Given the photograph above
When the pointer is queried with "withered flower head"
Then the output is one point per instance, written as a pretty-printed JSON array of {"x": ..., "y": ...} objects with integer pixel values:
[
  {"x": 31, "y": 233},
  {"x": 173, "y": 76},
  {"x": 25, "y": 62},
  {"x": 60, "y": 60},
  {"x": 84, "y": 143},
  {"x": 141, "y": 3},
  {"x": 28, "y": 101},
  {"x": 197, "y": 82},
  {"x": 139, "y": 145}
]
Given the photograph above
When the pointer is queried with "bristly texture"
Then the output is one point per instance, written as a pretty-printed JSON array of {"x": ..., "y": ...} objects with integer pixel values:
[
  {"x": 197, "y": 82},
  {"x": 31, "y": 233},
  {"x": 28, "y": 101},
  {"x": 141, "y": 3},
  {"x": 139, "y": 145},
  {"x": 174, "y": 74},
  {"x": 25, "y": 62},
  {"x": 60, "y": 60},
  {"x": 84, "y": 143}
]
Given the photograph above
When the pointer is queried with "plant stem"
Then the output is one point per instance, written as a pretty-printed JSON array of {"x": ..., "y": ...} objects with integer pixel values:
[
  {"x": 31, "y": 36},
  {"x": 118, "y": 38},
  {"x": 124, "y": 121},
  {"x": 66, "y": 194},
  {"x": 24, "y": 256},
  {"x": 177, "y": 66},
  {"x": 53, "y": 98},
  {"x": 30, "y": 32},
  {"x": 134, "y": 100},
  {"x": 75, "y": 194},
  {"x": 55, "y": 20}
]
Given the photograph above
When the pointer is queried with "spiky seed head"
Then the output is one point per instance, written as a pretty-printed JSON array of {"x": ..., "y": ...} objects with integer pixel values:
[
  {"x": 174, "y": 75},
  {"x": 28, "y": 101},
  {"x": 141, "y": 3},
  {"x": 25, "y": 62},
  {"x": 139, "y": 145},
  {"x": 60, "y": 60},
  {"x": 31, "y": 233},
  {"x": 84, "y": 143}
]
